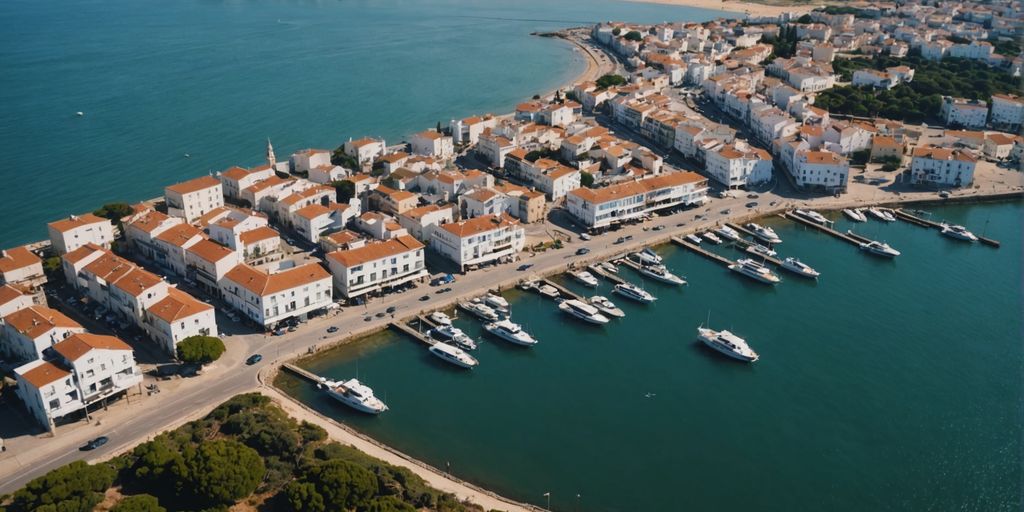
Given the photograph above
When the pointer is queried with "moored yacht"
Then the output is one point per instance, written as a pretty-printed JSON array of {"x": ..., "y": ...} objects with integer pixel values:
[
  {"x": 548, "y": 291},
  {"x": 660, "y": 273},
  {"x": 694, "y": 238},
  {"x": 855, "y": 214},
  {"x": 354, "y": 394},
  {"x": 479, "y": 310},
  {"x": 510, "y": 331},
  {"x": 764, "y": 233},
  {"x": 584, "y": 277},
  {"x": 761, "y": 250},
  {"x": 879, "y": 249},
  {"x": 882, "y": 214},
  {"x": 583, "y": 311},
  {"x": 453, "y": 335},
  {"x": 959, "y": 233},
  {"x": 634, "y": 292},
  {"x": 439, "y": 318},
  {"x": 800, "y": 268},
  {"x": 646, "y": 257},
  {"x": 609, "y": 267},
  {"x": 812, "y": 216},
  {"x": 728, "y": 233},
  {"x": 453, "y": 355},
  {"x": 496, "y": 302},
  {"x": 755, "y": 271},
  {"x": 711, "y": 237},
  {"x": 727, "y": 343},
  {"x": 606, "y": 306}
]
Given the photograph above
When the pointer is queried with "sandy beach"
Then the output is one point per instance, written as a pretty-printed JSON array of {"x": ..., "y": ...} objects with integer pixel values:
[{"x": 748, "y": 8}]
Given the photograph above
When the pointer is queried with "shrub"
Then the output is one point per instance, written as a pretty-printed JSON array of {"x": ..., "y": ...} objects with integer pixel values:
[
  {"x": 609, "y": 80},
  {"x": 311, "y": 432},
  {"x": 633, "y": 35},
  {"x": 139, "y": 503},
  {"x": 344, "y": 190},
  {"x": 586, "y": 179},
  {"x": 76, "y": 487},
  {"x": 220, "y": 472},
  {"x": 200, "y": 349},
  {"x": 114, "y": 211}
]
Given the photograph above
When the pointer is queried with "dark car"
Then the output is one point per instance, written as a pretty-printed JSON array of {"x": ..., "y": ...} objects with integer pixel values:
[
  {"x": 253, "y": 359},
  {"x": 752, "y": 196},
  {"x": 95, "y": 443},
  {"x": 332, "y": 329},
  {"x": 279, "y": 331},
  {"x": 524, "y": 266},
  {"x": 582, "y": 251},
  {"x": 424, "y": 298},
  {"x": 391, "y": 309},
  {"x": 620, "y": 239},
  {"x": 751, "y": 204}
]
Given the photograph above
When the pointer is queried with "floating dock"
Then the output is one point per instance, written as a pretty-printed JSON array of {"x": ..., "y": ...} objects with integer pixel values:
[
  {"x": 925, "y": 223},
  {"x": 703, "y": 252},
  {"x": 405, "y": 329},
  {"x": 565, "y": 292},
  {"x": 848, "y": 237},
  {"x": 305, "y": 374},
  {"x": 594, "y": 269}
]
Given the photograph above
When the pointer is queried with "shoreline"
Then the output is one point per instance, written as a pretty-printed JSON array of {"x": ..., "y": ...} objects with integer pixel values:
[{"x": 735, "y": 6}]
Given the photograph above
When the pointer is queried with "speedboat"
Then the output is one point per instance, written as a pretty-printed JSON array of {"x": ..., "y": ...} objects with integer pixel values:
[
  {"x": 606, "y": 306},
  {"x": 496, "y": 302},
  {"x": 855, "y": 214},
  {"x": 727, "y": 343},
  {"x": 453, "y": 355},
  {"x": 585, "y": 277},
  {"x": 959, "y": 233},
  {"x": 453, "y": 335},
  {"x": 728, "y": 233},
  {"x": 479, "y": 309},
  {"x": 755, "y": 271},
  {"x": 694, "y": 238},
  {"x": 439, "y": 318},
  {"x": 882, "y": 214},
  {"x": 510, "y": 331},
  {"x": 879, "y": 249},
  {"x": 548, "y": 291},
  {"x": 528, "y": 285},
  {"x": 761, "y": 250},
  {"x": 646, "y": 257},
  {"x": 608, "y": 266},
  {"x": 660, "y": 273},
  {"x": 711, "y": 237},
  {"x": 634, "y": 292},
  {"x": 764, "y": 233},
  {"x": 812, "y": 216},
  {"x": 583, "y": 311},
  {"x": 354, "y": 394},
  {"x": 800, "y": 268}
]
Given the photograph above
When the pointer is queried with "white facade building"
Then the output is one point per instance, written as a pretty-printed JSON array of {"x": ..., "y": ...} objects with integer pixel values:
[
  {"x": 268, "y": 299},
  {"x": 602, "y": 207},
  {"x": 823, "y": 169},
  {"x": 377, "y": 266},
  {"x": 73, "y": 232},
  {"x": 194, "y": 198},
  {"x": 479, "y": 241},
  {"x": 963, "y": 112},
  {"x": 737, "y": 165},
  {"x": 942, "y": 166},
  {"x": 431, "y": 143},
  {"x": 1007, "y": 111}
]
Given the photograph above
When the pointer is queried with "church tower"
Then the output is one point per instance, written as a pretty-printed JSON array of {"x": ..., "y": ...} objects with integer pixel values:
[{"x": 271, "y": 159}]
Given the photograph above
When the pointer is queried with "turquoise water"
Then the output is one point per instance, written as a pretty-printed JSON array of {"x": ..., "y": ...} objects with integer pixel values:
[
  {"x": 885, "y": 386},
  {"x": 159, "y": 79}
]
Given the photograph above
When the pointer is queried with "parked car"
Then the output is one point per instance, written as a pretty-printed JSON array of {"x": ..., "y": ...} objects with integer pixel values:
[
  {"x": 620, "y": 239},
  {"x": 279, "y": 331},
  {"x": 253, "y": 359},
  {"x": 332, "y": 329},
  {"x": 751, "y": 204},
  {"x": 659, "y": 228},
  {"x": 424, "y": 298},
  {"x": 584, "y": 237},
  {"x": 752, "y": 195},
  {"x": 524, "y": 266},
  {"x": 581, "y": 251},
  {"x": 95, "y": 443}
]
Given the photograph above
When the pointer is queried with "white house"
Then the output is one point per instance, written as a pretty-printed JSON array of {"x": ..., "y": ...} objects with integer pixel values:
[
  {"x": 1007, "y": 111},
  {"x": 433, "y": 144},
  {"x": 171, "y": 245},
  {"x": 268, "y": 299},
  {"x": 365, "y": 150},
  {"x": 11, "y": 300},
  {"x": 21, "y": 267},
  {"x": 194, "y": 198},
  {"x": 377, "y": 266},
  {"x": 207, "y": 262},
  {"x": 602, "y": 207},
  {"x": 236, "y": 179},
  {"x": 142, "y": 230},
  {"x": 420, "y": 222},
  {"x": 479, "y": 241},
  {"x": 737, "y": 165},
  {"x": 30, "y": 331},
  {"x": 823, "y": 169},
  {"x": 178, "y": 316},
  {"x": 75, "y": 231},
  {"x": 942, "y": 166},
  {"x": 964, "y": 112},
  {"x": 305, "y": 159}
]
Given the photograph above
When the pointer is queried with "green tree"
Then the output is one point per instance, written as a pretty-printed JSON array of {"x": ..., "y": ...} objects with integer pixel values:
[
  {"x": 344, "y": 189},
  {"x": 387, "y": 504},
  {"x": 139, "y": 503},
  {"x": 220, "y": 472},
  {"x": 75, "y": 487},
  {"x": 586, "y": 179},
  {"x": 311, "y": 432},
  {"x": 343, "y": 485},
  {"x": 269, "y": 431},
  {"x": 114, "y": 211},
  {"x": 616, "y": 31},
  {"x": 610, "y": 80},
  {"x": 633, "y": 35},
  {"x": 200, "y": 349},
  {"x": 339, "y": 157},
  {"x": 52, "y": 265},
  {"x": 155, "y": 461},
  {"x": 303, "y": 497}
]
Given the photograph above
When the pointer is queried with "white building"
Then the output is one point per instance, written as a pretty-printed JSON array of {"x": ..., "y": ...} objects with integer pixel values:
[
  {"x": 304, "y": 160},
  {"x": 365, "y": 150},
  {"x": 141, "y": 232},
  {"x": 1007, "y": 111},
  {"x": 421, "y": 222},
  {"x": 268, "y": 299},
  {"x": 738, "y": 165},
  {"x": 194, "y": 198},
  {"x": 942, "y": 166},
  {"x": 823, "y": 169},
  {"x": 479, "y": 241},
  {"x": 236, "y": 179},
  {"x": 602, "y": 207},
  {"x": 21, "y": 267},
  {"x": 377, "y": 266},
  {"x": 11, "y": 300},
  {"x": 963, "y": 112},
  {"x": 178, "y": 316},
  {"x": 207, "y": 262},
  {"x": 30, "y": 331},
  {"x": 431, "y": 143},
  {"x": 73, "y": 232}
]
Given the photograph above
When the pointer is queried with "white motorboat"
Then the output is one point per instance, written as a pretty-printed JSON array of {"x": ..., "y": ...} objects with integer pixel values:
[
  {"x": 496, "y": 302},
  {"x": 584, "y": 277},
  {"x": 548, "y": 291},
  {"x": 755, "y": 271},
  {"x": 606, "y": 306},
  {"x": 727, "y": 343},
  {"x": 813, "y": 216},
  {"x": 439, "y": 318},
  {"x": 761, "y": 250},
  {"x": 855, "y": 214},
  {"x": 480, "y": 310},
  {"x": 728, "y": 233},
  {"x": 711, "y": 237},
  {"x": 660, "y": 273},
  {"x": 510, "y": 331},
  {"x": 583, "y": 311},
  {"x": 453, "y": 335},
  {"x": 453, "y": 355},
  {"x": 634, "y": 292},
  {"x": 528, "y": 285},
  {"x": 764, "y": 233},
  {"x": 879, "y": 249},
  {"x": 646, "y": 257},
  {"x": 800, "y": 268},
  {"x": 354, "y": 394},
  {"x": 882, "y": 214},
  {"x": 959, "y": 233},
  {"x": 694, "y": 238},
  {"x": 609, "y": 267}
]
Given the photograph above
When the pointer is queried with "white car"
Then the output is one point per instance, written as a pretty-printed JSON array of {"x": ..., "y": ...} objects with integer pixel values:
[{"x": 585, "y": 237}]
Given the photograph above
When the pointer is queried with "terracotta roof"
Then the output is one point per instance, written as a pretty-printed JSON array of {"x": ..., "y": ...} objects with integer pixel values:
[
  {"x": 263, "y": 284},
  {"x": 822, "y": 157},
  {"x": 272, "y": 181},
  {"x": 77, "y": 345},
  {"x": 394, "y": 157},
  {"x": 632, "y": 188},
  {"x": 258, "y": 234},
  {"x": 343, "y": 237},
  {"x": 44, "y": 373},
  {"x": 935, "y": 153},
  {"x": 1001, "y": 138},
  {"x": 479, "y": 225},
  {"x": 210, "y": 251},
  {"x": 76, "y": 221},
  {"x": 375, "y": 251},
  {"x": 358, "y": 143},
  {"x": 190, "y": 186},
  {"x": 17, "y": 258},
  {"x": 177, "y": 305},
  {"x": 417, "y": 213},
  {"x": 396, "y": 195},
  {"x": 429, "y": 134},
  {"x": 180, "y": 234},
  {"x": 148, "y": 222},
  {"x": 9, "y": 293},
  {"x": 82, "y": 252},
  {"x": 110, "y": 267},
  {"x": 35, "y": 321},
  {"x": 312, "y": 211},
  {"x": 137, "y": 281},
  {"x": 883, "y": 141},
  {"x": 235, "y": 173}
]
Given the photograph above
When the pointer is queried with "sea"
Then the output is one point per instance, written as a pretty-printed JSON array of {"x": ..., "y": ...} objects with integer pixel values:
[
  {"x": 172, "y": 90},
  {"x": 885, "y": 385}
]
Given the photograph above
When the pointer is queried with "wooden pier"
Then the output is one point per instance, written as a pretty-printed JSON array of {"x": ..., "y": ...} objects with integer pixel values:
[
  {"x": 849, "y": 237},
  {"x": 594, "y": 269},
  {"x": 305, "y": 374},
  {"x": 405, "y": 329},
  {"x": 701, "y": 251},
  {"x": 925, "y": 223},
  {"x": 565, "y": 292},
  {"x": 426, "y": 321}
]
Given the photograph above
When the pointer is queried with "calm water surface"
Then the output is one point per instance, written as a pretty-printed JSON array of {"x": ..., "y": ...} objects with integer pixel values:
[{"x": 887, "y": 385}]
